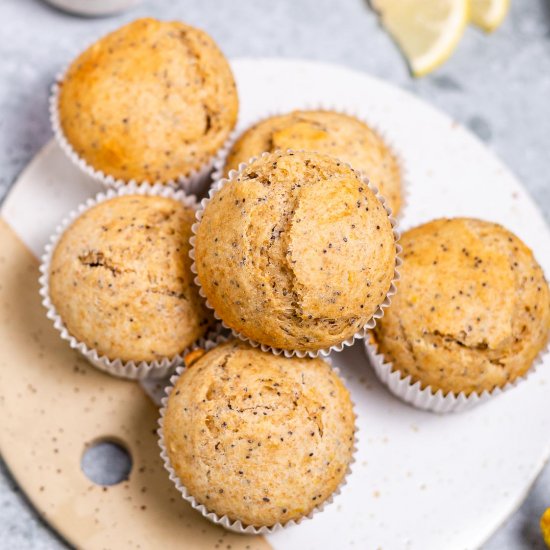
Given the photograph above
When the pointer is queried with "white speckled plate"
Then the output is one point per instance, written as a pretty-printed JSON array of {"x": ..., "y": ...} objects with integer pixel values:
[{"x": 421, "y": 481}]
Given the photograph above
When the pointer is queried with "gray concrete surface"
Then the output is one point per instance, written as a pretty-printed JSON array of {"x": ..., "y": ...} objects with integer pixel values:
[{"x": 498, "y": 86}]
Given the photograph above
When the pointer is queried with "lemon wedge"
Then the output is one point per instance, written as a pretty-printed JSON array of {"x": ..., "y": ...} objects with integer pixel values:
[
  {"x": 488, "y": 14},
  {"x": 427, "y": 31},
  {"x": 545, "y": 526}
]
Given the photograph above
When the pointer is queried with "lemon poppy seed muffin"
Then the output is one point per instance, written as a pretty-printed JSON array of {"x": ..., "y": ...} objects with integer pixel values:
[
  {"x": 472, "y": 309},
  {"x": 152, "y": 101},
  {"x": 296, "y": 252},
  {"x": 327, "y": 132},
  {"x": 258, "y": 437},
  {"x": 120, "y": 279}
]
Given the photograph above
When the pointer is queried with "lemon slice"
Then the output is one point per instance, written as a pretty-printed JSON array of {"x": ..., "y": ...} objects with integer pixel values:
[
  {"x": 488, "y": 14},
  {"x": 427, "y": 31},
  {"x": 545, "y": 526}
]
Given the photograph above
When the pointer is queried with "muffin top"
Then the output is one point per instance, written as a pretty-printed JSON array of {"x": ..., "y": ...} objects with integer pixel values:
[
  {"x": 296, "y": 252},
  {"x": 472, "y": 309},
  {"x": 120, "y": 279},
  {"x": 258, "y": 437},
  {"x": 151, "y": 101},
  {"x": 327, "y": 132}
]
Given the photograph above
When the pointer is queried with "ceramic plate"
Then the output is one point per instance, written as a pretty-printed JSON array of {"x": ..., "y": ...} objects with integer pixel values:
[{"x": 421, "y": 481}]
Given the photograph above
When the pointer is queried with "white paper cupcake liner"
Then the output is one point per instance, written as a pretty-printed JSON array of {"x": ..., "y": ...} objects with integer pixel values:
[
  {"x": 116, "y": 367},
  {"x": 362, "y": 333},
  {"x": 236, "y": 525},
  {"x": 426, "y": 398},
  {"x": 197, "y": 182},
  {"x": 378, "y": 128}
]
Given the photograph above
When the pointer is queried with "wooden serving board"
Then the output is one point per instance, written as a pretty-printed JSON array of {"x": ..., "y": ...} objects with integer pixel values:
[
  {"x": 54, "y": 404},
  {"x": 420, "y": 481}
]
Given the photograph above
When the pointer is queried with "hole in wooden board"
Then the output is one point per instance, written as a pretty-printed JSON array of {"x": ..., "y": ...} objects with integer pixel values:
[{"x": 106, "y": 462}]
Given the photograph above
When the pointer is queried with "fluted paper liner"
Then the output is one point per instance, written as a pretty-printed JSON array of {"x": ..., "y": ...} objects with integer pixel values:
[
  {"x": 378, "y": 128},
  {"x": 196, "y": 182},
  {"x": 427, "y": 398},
  {"x": 114, "y": 366},
  {"x": 290, "y": 353},
  {"x": 236, "y": 525}
]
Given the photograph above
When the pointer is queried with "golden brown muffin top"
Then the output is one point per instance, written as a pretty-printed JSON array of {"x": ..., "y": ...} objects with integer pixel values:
[
  {"x": 153, "y": 100},
  {"x": 120, "y": 279},
  {"x": 296, "y": 252},
  {"x": 472, "y": 309},
  {"x": 259, "y": 437},
  {"x": 335, "y": 134}
]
